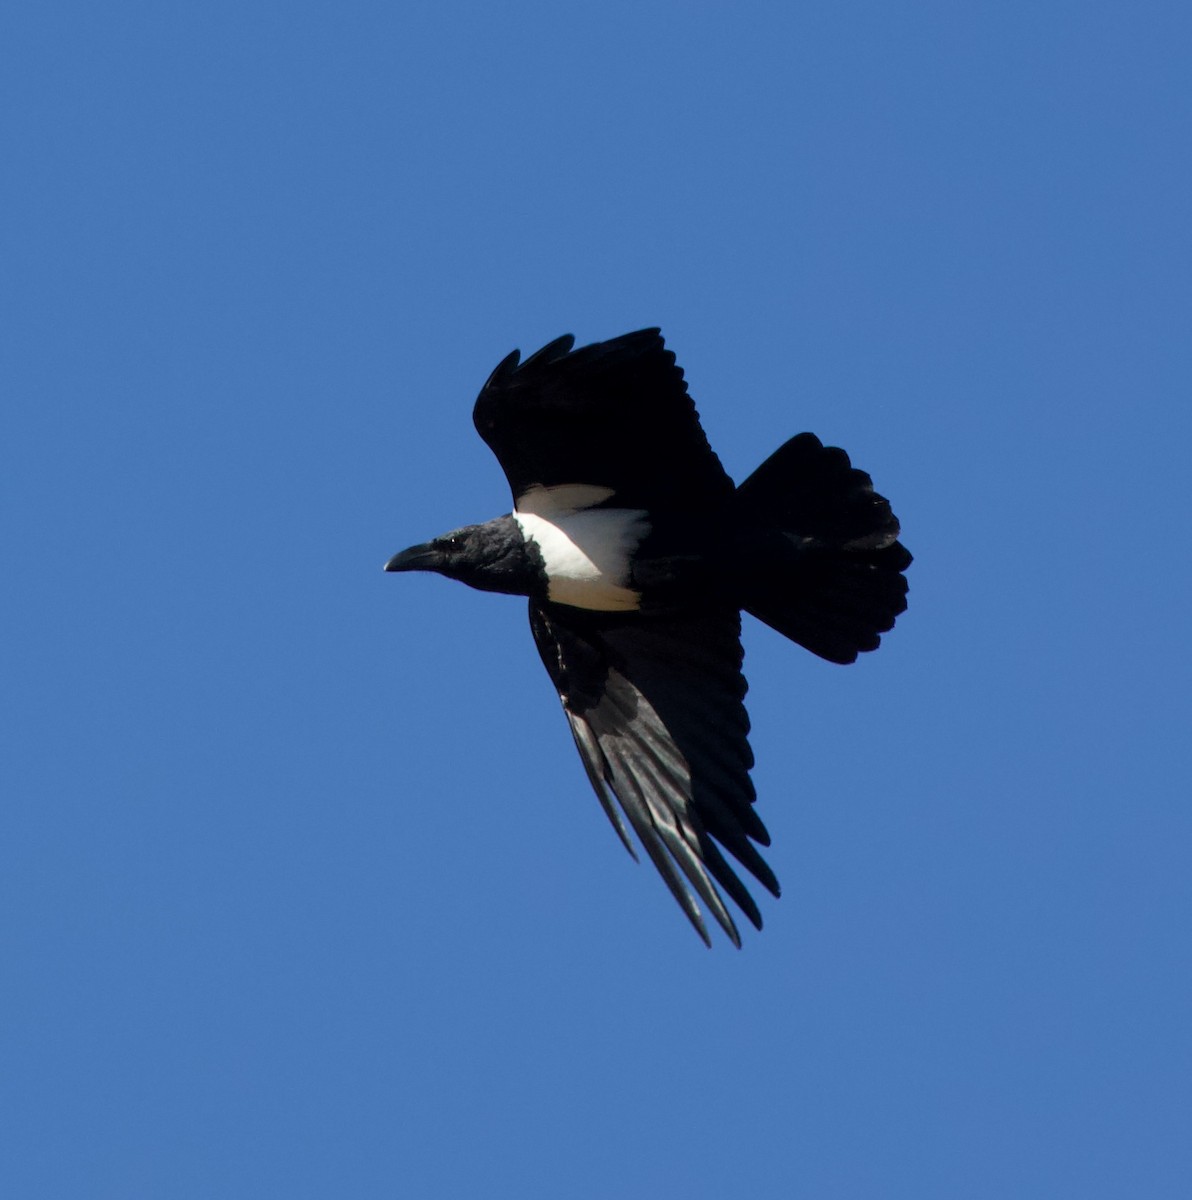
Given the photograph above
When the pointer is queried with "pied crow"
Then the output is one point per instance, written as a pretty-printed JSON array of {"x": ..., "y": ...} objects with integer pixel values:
[{"x": 638, "y": 554}]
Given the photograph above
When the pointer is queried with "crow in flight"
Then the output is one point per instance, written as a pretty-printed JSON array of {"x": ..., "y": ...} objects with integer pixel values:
[{"x": 638, "y": 554}]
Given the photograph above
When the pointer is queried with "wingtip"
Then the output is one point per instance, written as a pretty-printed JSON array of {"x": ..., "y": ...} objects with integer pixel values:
[
  {"x": 651, "y": 334},
  {"x": 696, "y": 918},
  {"x": 504, "y": 368},
  {"x": 551, "y": 351}
]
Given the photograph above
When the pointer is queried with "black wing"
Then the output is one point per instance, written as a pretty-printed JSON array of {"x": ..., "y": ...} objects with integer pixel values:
[
  {"x": 657, "y": 710},
  {"x": 615, "y": 415}
]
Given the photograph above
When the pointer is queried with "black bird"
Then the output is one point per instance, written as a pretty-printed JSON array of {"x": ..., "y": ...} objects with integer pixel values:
[{"x": 638, "y": 554}]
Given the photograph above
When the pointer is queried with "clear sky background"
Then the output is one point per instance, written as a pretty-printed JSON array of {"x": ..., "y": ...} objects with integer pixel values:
[{"x": 303, "y": 892}]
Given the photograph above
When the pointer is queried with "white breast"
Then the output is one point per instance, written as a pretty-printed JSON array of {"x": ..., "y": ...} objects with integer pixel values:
[{"x": 586, "y": 554}]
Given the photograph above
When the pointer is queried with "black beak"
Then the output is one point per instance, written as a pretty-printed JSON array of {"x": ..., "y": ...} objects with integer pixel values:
[{"x": 416, "y": 558}]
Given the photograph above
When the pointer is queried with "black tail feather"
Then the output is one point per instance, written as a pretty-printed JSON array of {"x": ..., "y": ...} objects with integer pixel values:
[{"x": 825, "y": 567}]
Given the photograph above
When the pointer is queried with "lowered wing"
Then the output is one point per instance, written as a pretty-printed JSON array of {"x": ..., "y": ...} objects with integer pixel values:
[
  {"x": 614, "y": 416},
  {"x": 656, "y": 706}
]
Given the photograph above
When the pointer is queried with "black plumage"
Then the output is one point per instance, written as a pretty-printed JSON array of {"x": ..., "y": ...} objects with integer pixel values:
[
  {"x": 615, "y": 413},
  {"x": 638, "y": 554}
]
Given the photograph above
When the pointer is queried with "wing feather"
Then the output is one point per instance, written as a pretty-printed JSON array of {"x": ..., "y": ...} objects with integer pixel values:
[
  {"x": 615, "y": 415},
  {"x": 656, "y": 706}
]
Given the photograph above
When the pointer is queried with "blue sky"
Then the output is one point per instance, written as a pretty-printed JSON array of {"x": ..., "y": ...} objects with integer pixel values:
[{"x": 303, "y": 892}]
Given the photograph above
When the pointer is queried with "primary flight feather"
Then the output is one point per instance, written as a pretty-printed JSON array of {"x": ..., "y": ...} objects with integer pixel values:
[{"x": 638, "y": 555}]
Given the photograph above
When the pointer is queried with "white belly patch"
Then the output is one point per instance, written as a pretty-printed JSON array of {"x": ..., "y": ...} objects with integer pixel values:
[{"x": 586, "y": 555}]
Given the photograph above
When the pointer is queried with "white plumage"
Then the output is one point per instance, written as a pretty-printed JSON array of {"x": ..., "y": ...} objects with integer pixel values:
[{"x": 586, "y": 552}]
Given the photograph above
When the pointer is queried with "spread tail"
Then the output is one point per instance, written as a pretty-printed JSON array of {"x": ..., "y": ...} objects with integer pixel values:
[{"x": 827, "y": 567}]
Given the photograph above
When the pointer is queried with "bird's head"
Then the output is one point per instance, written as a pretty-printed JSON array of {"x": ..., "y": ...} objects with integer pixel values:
[{"x": 491, "y": 557}]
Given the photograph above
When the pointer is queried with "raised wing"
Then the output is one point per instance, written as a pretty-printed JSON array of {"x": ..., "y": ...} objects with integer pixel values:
[
  {"x": 656, "y": 706},
  {"x": 614, "y": 415}
]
